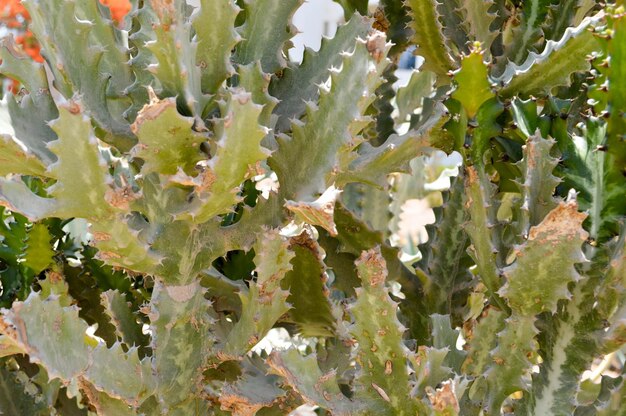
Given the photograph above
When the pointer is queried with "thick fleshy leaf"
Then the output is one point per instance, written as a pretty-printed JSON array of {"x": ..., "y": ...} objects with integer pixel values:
[
  {"x": 180, "y": 324},
  {"x": 265, "y": 302},
  {"x": 303, "y": 161},
  {"x": 79, "y": 166},
  {"x": 477, "y": 20},
  {"x": 262, "y": 39},
  {"x": 538, "y": 181},
  {"x": 238, "y": 152},
  {"x": 381, "y": 354},
  {"x": 299, "y": 84},
  {"x": 72, "y": 44},
  {"x": 38, "y": 254},
  {"x": 215, "y": 41},
  {"x": 308, "y": 293},
  {"x": 14, "y": 159},
  {"x": 428, "y": 35},
  {"x": 304, "y": 376},
  {"x": 167, "y": 141},
  {"x": 473, "y": 86},
  {"x": 540, "y": 73},
  {"x": 545, "y": 262}
]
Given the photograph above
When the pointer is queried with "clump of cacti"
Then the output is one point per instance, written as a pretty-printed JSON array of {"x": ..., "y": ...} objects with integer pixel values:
[{"x": 175, "y": 188}]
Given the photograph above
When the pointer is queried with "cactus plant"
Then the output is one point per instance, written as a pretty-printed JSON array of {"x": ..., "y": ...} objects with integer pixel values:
[{"x": 175, "y": 189}]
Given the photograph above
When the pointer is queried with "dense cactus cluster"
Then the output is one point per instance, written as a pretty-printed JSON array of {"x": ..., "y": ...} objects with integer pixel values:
[{"x": 175, "y": 188}]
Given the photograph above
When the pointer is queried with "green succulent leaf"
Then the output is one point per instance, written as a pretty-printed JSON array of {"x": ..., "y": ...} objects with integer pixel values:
[
  {"x": 539, "y": 73},
  {"x": 299, "y": 83},
  {"x": 303, "y": 161},
  {"x": 304, "y": 376},
  {"x": 308, "y": 293},
  {"x": 38, "y": 254},
  {"x": 238, "y": 152},
  {"x": 262, "y": 39},
  {"x": 410, "y": 96},
  {"x": 265, "y": 302},
  {"x": 382, "y": 355},
  {"x": 473, "y": 87},
  {"x": 15, "y": 160},
  {"x": 539, "y": 277},
  {"x": 215, "y": 41},
  {"x": 167, "y": 141},
  {"x": 87, "y": 40},
  {"x": 180, "y": 323},
  {"x": 538, "y": 181},
  {"x": 478, "y": 19},
  {"x": 511, "y": 360},
  {"x": 79, "y": 165},
  {"x": 428, "y": 35}
]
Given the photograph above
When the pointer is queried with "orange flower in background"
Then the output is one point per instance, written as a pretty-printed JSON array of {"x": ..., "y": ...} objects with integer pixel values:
[
  {"x": 9, "y": 12},
  {"x": 30, "y": 45},
  {"x": 119, "y": 8}
]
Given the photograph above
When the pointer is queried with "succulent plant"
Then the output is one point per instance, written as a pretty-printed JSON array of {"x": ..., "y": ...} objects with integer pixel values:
[{"x": 175, "y": 188}]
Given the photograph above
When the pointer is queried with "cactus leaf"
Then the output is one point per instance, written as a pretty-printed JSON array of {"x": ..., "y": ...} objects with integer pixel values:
[
  {"x": 103, "y": 403},
  {"x": 484, "y": 339},
  {"x": 125, "y": 321},
  {"x": 79, "y": 166},
  {"x": 545, "y": 263},
  {"x": 238, "y": 152},
  {"x": 449, "y": 262},
  {"x": 306, "y": 282},
  {"x": 478, "y": 19},
  {"x": 265, "y": 302},
  {"x": 488, "y": 128},
  {"x": 166, "y": 139},
  {"x": 263, "y": 40},
  {"x": 180, "y": 325},
  {"x": 215, "y": 41},
  {"x": 482, "y": 249},
  {"x": 38, "y": 254},
  {"x": 170, "y": 44},
  {"x": 42, "y": 327},
  {"x": 252, "y": 78},
  {"x": 529, "y": 31},
  {"x": 540, "y": 73},
  {"x": 16, "y": 196},
  {"x": 473, "y": 87},
  {"x": 303, "y": 161},
  {"x": 252, "y": 391},
  {"x": 89, "y": 41},
  {"x": 382, "y": 355},
  {"x": 305, "y": 377},
  {"x": 539, "y": 183},
  {"x": 18, "y": 394},
  {"x": 106, "y": 369},
  {"x": 511, "y": 360},
  {"x": 120, "y": 246},
  {"x": 14, "y": 159},
  {"x": 319, "y": 212},
  {"x": 428, "y": 35},
  {"x": 299, "y": 84},
  {"x": 374, "y": 163},
  {"x": 34, "y": 110}
]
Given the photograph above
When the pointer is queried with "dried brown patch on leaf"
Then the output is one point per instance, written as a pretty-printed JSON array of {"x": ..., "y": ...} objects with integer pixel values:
[
  {"x": 563, "y": 222},
  {"x": 152, "y": 110},
  {"x": 375, "y": 44},
  {"x": 372, "y": 267},
  {"x": 444, "y": 398},
  {"x": 320, "y": 212},
  {"x": 238, "y": 405}
]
